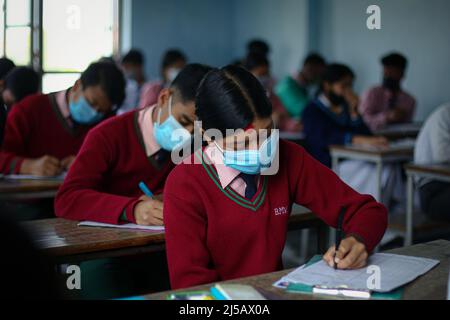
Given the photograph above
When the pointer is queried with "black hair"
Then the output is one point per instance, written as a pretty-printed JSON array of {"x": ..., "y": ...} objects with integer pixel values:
[
  {"x": 134, "y": 56},
  {"x": 109, "y": 77},
  {"x": 395, "y": 60},
  {"x": 255, "y": 60},
  {"x": 258, "y": 46},
  {"x": 22, "y": 82},
  {"x": 186, "y": 83},
  {"x": 314, "y": 58},
  {"x": 6, "y": 66},
  {"x": 171, "y": 57},
  {"x": 336, "y": 72},
  {"x": 231, "y": 98}
]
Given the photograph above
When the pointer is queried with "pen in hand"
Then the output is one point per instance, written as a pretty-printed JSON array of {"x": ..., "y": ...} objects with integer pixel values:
[
  {"x": 145, "y": 189},
  {"x": 338, "y": 235}
]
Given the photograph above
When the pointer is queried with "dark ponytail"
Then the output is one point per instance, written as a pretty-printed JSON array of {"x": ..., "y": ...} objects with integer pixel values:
[{"x": 231, "y": 98}]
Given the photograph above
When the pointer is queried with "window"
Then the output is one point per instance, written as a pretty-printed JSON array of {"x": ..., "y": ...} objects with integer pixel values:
[
  {"x": 16, "y": 35},
  {"x": 60, "y": 38}
]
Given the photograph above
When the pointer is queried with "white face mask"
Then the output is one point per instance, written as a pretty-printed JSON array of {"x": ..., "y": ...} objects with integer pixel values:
[{"x": 172, "y": 73}]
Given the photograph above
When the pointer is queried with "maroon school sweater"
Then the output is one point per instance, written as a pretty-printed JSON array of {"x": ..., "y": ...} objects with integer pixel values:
[
  {"x": 35, "y": 128},
  {"x": 214, "y": 234},
  {"x": 103, "y": 181}
]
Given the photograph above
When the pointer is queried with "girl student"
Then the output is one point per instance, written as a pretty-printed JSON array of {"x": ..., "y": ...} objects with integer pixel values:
[
  {"x": 333, "y": 118},
  {"x": 226, "y": 218}
]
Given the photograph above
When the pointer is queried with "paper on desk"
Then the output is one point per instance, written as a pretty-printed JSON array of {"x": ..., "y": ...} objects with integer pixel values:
[
  {"x": 395, "y": 271},
  {"x": 122, "y": 226},
  {"x": 32, "y": 177}
]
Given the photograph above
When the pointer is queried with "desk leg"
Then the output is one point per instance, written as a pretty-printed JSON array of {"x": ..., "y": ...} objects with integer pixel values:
[
  {"x": 335, "y": 164},
  {"x": 379, "y": 178},
  {"x": 409, "y": 211}
]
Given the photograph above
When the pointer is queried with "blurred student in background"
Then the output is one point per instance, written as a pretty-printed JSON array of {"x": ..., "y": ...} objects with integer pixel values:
[
  {"x": 133, "y": 67},
  {"x": 44, "y": 132},
  {"x": 133, "y": 64},
  {"x": 20, "y": 83},
  {"x": 433, "y": 147},
  {"x": 388, "y": 103},
  {"x": 259, "y": 47},
  {"x": 259, "y": 66},
  {"x": 296, "y": 91},
  {"x": 6, "y": 66},
  {"x": 172, "y": 63},
  {"x": 333, "y": 119}
]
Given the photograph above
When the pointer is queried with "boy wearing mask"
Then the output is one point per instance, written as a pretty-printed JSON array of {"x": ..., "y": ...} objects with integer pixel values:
[
  {"x": 389, "y": 103},
  {"x": 44, "y": 132}
]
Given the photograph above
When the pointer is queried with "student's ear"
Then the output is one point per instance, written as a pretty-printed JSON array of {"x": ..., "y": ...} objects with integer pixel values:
[{"x": 164, "y": 96}]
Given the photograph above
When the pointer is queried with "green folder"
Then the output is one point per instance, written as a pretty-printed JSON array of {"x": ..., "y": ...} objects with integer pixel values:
[{"x": 305, "y": 289}]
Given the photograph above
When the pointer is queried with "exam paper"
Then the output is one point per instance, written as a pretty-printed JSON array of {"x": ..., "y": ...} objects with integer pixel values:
[
  {"x": 122, "y": 226},
  {"x": 395, "y": 271}
]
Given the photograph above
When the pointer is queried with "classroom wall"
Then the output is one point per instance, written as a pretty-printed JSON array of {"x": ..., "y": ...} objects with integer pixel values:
[
  {"x": 283, "y": 23},
  {"x": 201, "y": 28},
  {"x": 216, "y": 31},
  {"x": 419, "y": 29}
]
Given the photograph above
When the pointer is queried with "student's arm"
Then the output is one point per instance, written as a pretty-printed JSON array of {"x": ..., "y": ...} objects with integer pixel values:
[
  {"x": 370, "y": 110},
  {"x": 80, "y": 198},
  {"x": 17, "y": 129},
  {"x": 186, "y": 226},
  {"x": 323, "y": 192},
  {"x": 320, "y": 132}
]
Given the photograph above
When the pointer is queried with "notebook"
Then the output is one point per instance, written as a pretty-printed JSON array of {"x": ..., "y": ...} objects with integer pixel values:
[{"x": 121, "y": 226}]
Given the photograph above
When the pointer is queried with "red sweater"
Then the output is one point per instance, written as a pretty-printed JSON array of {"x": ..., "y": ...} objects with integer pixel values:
[
  {"x": 35, "y": 128},
  {"x": 103, "y": 181},
  {"x": 214, "y": 234}
]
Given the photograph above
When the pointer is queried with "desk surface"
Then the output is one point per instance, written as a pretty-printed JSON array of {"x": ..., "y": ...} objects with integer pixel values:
[
  {"x": 399, "y": 131},
  {"x": 438, "y": 169},
  {"x": 63, "y": 239},
  {"x": 432, "y": 285},
  {"x": 28, "y": 186},
  {"x": 401, "y": 151},
  {"x": 60, "y": 237}
]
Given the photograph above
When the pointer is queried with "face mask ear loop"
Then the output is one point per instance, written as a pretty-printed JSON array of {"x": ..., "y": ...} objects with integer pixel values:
[
  {"x": 160, "y": 110},
  {"x": 170, "y": 105}
]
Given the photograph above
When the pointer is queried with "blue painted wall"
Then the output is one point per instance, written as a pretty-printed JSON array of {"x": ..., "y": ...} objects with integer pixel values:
[
  {"x": 216, "y": 31},
  {"x": 201, "y": 28}
]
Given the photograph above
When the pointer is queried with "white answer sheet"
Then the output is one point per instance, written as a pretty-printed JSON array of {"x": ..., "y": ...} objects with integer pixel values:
[{"x": 394, "y": 271}]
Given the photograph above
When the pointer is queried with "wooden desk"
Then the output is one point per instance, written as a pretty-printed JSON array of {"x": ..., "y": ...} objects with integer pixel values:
[
  {"x": 378, "y": 156},
  {"x": 400, "y": 131},
  {"x": 431, "y": 286},
  {"x": 66, "y": 242},
  {"x": 28, "y": 189},
  {"x": 439, "y": 172}
]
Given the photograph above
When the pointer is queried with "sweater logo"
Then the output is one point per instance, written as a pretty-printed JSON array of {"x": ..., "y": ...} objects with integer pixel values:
[{"x": 280, "y": 211}]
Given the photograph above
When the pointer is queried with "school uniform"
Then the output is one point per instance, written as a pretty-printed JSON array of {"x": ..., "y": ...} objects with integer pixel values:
[
  {"x": 433, "y": 147},
  {"x": 150, "y": 93},
  {"x": 37, "y": 126},
  {"x": 377, "y": 102},
  {"x": 323, "y": 128},
  {"x": 132, "y": 93},
  {"x": 216, "y": 230},
  {"x": 102, "y": 184}
]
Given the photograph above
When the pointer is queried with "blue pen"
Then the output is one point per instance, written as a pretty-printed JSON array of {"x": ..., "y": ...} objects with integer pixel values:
[{"x": 145, "y": 190}]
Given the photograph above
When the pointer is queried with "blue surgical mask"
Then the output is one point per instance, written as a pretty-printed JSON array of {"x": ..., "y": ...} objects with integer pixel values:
[
  {"x": 170, "y": 134},
  {"x": 252, "y": 161},
  {"x": 83, "y": 113}
]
